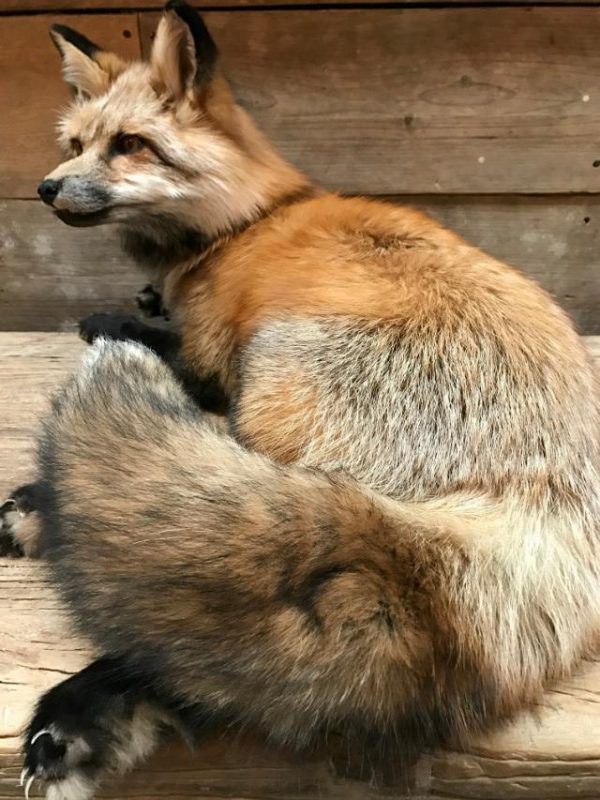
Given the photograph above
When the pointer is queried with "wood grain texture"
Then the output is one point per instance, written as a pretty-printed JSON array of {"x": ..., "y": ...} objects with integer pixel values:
[
  {"x": 33, "y": 365},
  {"x": 551, "y": 752},
  {"x": 24, "y": 6},
  {"x": 32, "y": 91},
  {"x": 52, "y": 275},
  {"x": 413, "y": 101},
  {"x": 471, "y": 100}
]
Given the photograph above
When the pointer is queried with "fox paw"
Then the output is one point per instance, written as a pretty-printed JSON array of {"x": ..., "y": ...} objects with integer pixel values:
[
  {"x": 86, "y": 728},
  {"x": 18, "y": 528},
  {"x": 112, "y": 326},
  {"x": 58, "y": 762},
  {"x": 62, "y": 758},
  {"x": 149, "y": 302}
]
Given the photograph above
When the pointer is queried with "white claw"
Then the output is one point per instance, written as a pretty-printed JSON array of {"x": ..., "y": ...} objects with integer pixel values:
[
  {"x": 43, "y": 732},
  {"x": 24, "y": 774},
  {"x": 28, "y": 786}
]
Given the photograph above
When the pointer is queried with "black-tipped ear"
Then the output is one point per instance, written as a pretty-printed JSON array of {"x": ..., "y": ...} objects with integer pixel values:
[
  {"x": 86, "y": 67},
  {"x": 204, "y": 45},
  {"x": 184, "y": 55},
  {"x": 62, "y": 33}
]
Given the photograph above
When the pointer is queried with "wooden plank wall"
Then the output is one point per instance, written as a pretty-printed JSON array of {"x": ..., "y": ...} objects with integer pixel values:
[{"x": 487, "y": 117}]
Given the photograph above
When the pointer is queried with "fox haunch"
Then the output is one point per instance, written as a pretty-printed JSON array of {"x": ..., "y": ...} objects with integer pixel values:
[{"x": 395, "y": 531}]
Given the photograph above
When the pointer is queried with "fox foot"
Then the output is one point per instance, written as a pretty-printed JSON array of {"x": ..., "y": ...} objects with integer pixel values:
[
  {"x": 19, "y": 534},
  {"x": 94, "y": 724},
  {"x": 125, "y": 327},
  {"x": 112, "y": 326},
  {"x": 149, "y": 301}
]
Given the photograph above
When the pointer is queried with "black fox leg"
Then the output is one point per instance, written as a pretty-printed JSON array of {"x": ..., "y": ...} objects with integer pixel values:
[
  {"x": 124, "y": 327},
  {"x": 19, "y": 531},
  {"x": 206, "y": 390},
  {"x": 103, "y": 720}
]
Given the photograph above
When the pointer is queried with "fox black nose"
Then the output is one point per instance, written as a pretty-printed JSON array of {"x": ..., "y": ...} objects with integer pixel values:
[{"x": 48, "y": 190}]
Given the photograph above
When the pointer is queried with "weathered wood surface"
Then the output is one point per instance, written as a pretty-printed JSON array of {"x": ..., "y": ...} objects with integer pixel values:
[
  {"x": 552, "y": 752},
  {"x": 32, "y": 91},
  {"x": 24, "y": 6},
  {"x": 436, "y": 101},
  {"x": 372, "y": 100},
  {"x": 52, "y": 275}
]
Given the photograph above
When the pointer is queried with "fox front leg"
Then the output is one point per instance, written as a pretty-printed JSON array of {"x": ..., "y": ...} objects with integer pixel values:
[{"x": 126, "y": 327}]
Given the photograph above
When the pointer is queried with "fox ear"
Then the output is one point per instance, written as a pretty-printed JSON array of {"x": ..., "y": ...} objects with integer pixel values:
[
  {"x": 184, "y": 54},
  {"x": 87, "y": 68}
]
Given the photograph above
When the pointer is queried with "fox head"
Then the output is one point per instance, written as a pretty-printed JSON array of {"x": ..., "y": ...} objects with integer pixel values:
[{"x": 160, "y": 146}]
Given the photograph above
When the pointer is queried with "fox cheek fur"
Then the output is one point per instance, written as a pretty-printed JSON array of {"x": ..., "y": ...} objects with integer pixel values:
[{"x": 394, "y": 534}]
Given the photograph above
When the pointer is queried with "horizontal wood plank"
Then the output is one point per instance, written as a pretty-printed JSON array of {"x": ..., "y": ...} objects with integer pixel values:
[
  {"x": 551, "y": 752},
  {"x": 24, "y": 6},
  {"x": 32, "y": 91},
  {"x": 423, "y": 100},
  {"x": 375, "y": 100},
  {"x": 52, "y": 275}
]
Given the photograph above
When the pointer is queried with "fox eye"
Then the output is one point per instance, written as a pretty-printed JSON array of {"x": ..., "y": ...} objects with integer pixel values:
[
  {"x": 76, "y": 147},
  {"x": 128, "y": 143}
]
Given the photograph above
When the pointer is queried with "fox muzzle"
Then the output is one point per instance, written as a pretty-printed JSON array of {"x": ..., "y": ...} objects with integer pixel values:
[{"x": 76, "y": 200}]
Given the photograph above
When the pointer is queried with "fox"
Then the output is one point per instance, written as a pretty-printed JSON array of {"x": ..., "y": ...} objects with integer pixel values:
[{"x": 354, "y": 490}]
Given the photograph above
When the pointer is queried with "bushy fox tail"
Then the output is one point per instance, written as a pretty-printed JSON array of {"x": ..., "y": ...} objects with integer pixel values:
[{"x": 295, "y": 600}]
